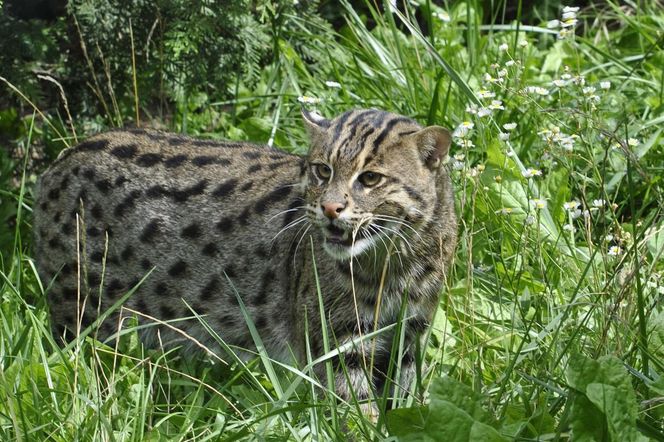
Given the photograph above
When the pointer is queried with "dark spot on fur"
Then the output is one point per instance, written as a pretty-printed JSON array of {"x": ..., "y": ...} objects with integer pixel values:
[
  {"x": 210, "y": 249},
  {"x": 229, "y": 270},
  {"x": 93, "y": 231},
  {"x": 67, "y": 269},
  {"x": 275, "y": 196},
  {"x": 127, "y": 203},
  {"x": 148, "y": 159},
  {"x": 150, "y": 231},
  {"x": 277, "y": 165},
  {"x": 167, "y": 312},
  {"x": 127, "y": 253},
  {"x": 54, "y": 243},
  {"x": 254, "y": 168},
  {"x": 115, "y": 287},
  {"x": 127, "y": 151},
  {"x": 53, "y": 194},
  {"x": 175, "y": 161},
  {"x": 89, "y": 174},
  {"x": 119, "y": 181},
  {"x": 245, "y": 216},
  {"x": 57, "y": 216},
  {"x": 196, "y": 189},
  {"x": 104, "y": 186},
  {"x": 75, "y": 170},
  {"x": 291, "y": 212},
  {"x": 261, "y": 322},
  {"x": 142, "y": 307},
  {"x": 261, "y": 251},
  {"x": 64, "y": 183},
  {"x": 211, "y": 289},
  {"x": 93, "y": 146},
  {"x": 252, "y": 155},
  {"x": 178, "y": 269},
  {"x": 97, "y": 211},
  {"x": 225, "y": 224},
  {"x": 192, "y": 231},
  {"x": 97, "y": 256},
  {"x": 70, "y": 293},
  {"x": 246, "y": 186},
  {"x": 266, "y": 281},
  {"x": 161, "y": 289},
  {"x": 156, "y": 191},
  {"x": 146, "y": 264},
  {"x": 203, "y": 160},
  {"x": 94, "y": 279},
  {"x": 225, "y": 188}
]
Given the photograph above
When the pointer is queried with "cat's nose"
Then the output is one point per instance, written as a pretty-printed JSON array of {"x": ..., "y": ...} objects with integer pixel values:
[{"x": 332, "y": 210}]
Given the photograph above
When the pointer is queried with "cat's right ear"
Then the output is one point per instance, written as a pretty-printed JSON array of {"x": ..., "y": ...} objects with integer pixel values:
[{"x": 316, "y": 124}]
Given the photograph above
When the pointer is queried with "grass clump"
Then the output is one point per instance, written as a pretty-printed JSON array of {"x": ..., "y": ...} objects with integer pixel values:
[{"x": 551, "y": 327}]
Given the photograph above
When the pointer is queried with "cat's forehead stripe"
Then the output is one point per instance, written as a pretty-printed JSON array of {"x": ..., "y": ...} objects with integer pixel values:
[{"x": 352, "y": 131}]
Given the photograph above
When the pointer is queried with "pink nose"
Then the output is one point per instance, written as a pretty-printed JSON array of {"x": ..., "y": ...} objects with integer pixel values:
[{"x": 332, "y": 210}]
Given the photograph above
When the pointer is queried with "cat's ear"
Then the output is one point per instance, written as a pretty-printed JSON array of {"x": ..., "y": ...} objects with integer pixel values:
[
  {"x": 316, "y": 124},
  {"x": 433, "y": 143}
]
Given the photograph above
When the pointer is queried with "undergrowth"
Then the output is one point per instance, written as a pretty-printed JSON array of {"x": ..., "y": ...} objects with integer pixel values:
[{"x": 550, "y": 326}]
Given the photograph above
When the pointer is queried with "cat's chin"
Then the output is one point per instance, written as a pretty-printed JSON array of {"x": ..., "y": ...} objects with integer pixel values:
[{"x": 345, "y": 250}]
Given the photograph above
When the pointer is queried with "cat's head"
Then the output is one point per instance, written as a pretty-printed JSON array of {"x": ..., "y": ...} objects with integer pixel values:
[{"x": 372, "y": 178}]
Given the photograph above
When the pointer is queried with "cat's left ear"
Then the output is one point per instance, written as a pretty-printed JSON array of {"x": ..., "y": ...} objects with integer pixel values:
[
  {"x": 316, "y": 124},
  {"x": 433, "y": 142}
]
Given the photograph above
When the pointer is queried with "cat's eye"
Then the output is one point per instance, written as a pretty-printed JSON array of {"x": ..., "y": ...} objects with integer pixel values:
[
  {"x": 369, "y": 179},
  {"x": 322, "y": 171}
]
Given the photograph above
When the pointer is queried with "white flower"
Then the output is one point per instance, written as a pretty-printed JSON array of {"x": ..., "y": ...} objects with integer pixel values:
[
  {"x": 465, "y": 143},
  {"x": 503, "y": 136},
  {"x": 568, "y": 9},
  {"x": 633, "y": 142},
  {"x": 530, "y": 220},
  {"x": 496, "y": 105},
  {"x": 599, "y": 203},
  {"x": 614, "y": 251},
  {"x": 576, "y": 213},
  {"x": 569, "y": 228},
  {"x": 457, "y": 165},
  {"x": 589, "y": 90},
  {"x": 537, "y": 90},
  {"x": 502, "y": 73},
  {"x": 504, "y": 211},
  {"x": 509, "y": 63},
  {"x": 503, "y": 47},
  {"x": 559, "y": 83},
  {"x": 308, "y": 100},
  {"x": 471, "y": 109},
  {"x": 566, "y": 76},
  {"x": 523, "y": 43},
  {"x": 509, "y": 126},
  {"x": 459, "y": 156},
  {"x": 333, "y": 84},
  {"x": 552, "y": 24},
  {"x": 538, "y": 203},
  {"x": 571, "y": 205},
  {"x": 483, "y": 112},
  {"x": 463, "y": 129},
  {"x": 443, "y": 16},
  {"x": 530, "y": 172},
  {"x": 605, "y": 85},
  {"x": 485, "y": 94}
]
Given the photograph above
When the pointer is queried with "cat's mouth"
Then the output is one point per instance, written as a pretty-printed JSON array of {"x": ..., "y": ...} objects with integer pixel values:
[
  {"x": 340, "y": 242},
  {"x": 338, "y": 236}
]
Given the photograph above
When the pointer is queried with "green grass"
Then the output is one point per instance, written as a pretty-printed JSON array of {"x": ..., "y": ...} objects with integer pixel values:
[{"x": 550, "y": 327}]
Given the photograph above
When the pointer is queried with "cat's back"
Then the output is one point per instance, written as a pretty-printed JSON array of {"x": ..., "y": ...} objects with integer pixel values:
[{"x": 125, "y": 203}]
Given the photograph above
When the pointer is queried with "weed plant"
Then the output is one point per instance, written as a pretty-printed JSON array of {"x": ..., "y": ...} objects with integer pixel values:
[{"x": 551, "y": 325}]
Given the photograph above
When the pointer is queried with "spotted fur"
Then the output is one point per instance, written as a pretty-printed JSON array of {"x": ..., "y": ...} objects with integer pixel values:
[{"x": 370, "y": 207}]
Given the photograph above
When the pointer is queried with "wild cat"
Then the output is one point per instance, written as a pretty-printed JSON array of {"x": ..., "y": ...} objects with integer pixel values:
[{"x": 369, "y": 211}]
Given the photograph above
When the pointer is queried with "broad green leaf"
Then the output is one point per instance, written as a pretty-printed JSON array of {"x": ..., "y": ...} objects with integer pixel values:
[
  {"x": 455, "y": 413},
  {"x": 604, "y": 405}
]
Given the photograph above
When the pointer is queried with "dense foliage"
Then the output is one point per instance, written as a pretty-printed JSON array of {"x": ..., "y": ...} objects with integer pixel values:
[{"x": 551, "y": 327}]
